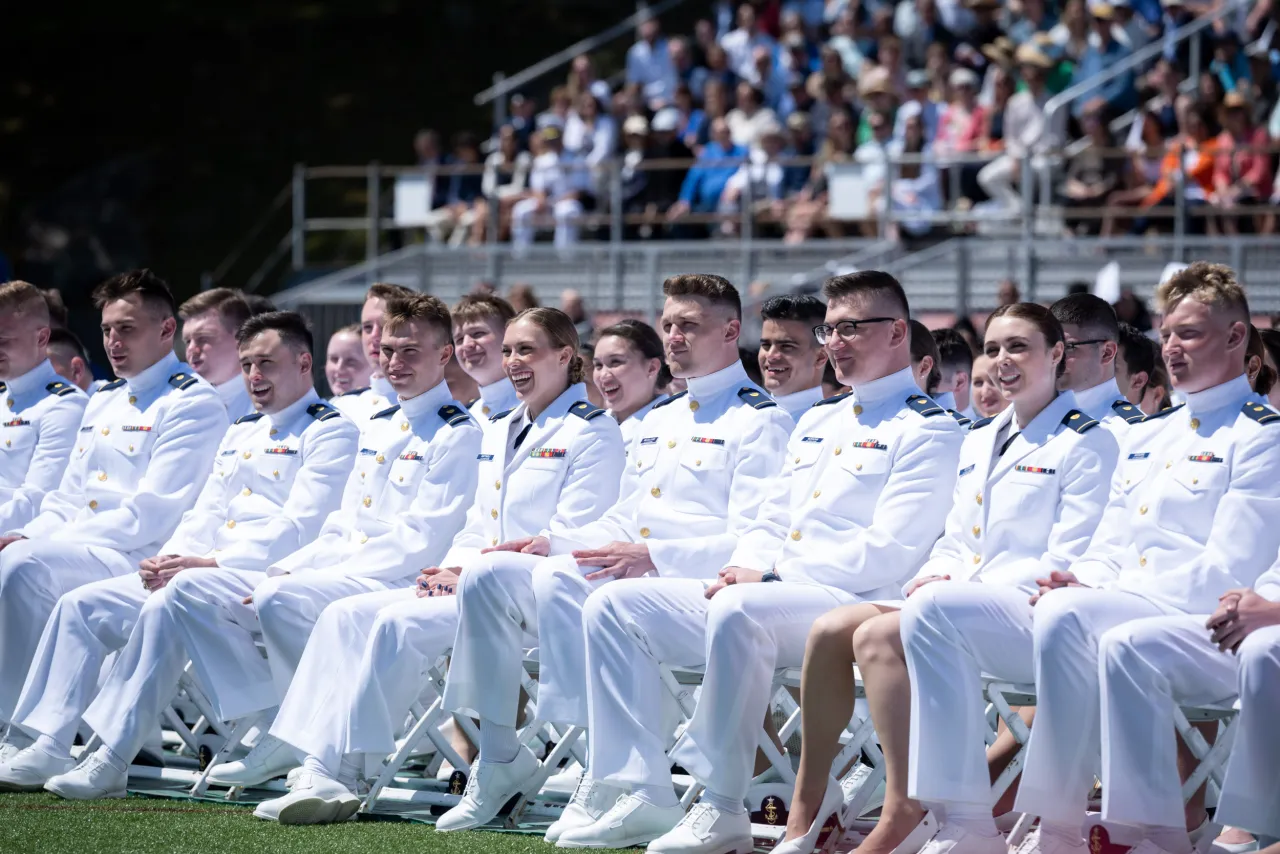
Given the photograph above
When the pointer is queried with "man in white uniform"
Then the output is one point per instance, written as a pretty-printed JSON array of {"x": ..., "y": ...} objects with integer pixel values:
[
  {"x": 42, "y": 409},
  {"x": 362, "y": 403},
  {"x": 255, "y": 508},
  {"x": 413, "y": 480},
  {"x": 694, "y": 485},
  {"x": 1093, "y": 342},
  {"x": 955, "y": 364},
  {"x": 791, "y": 359},
  {"x": 479, "y": 321},
  {"x": 866, "y": 488},
  {"x": 1191, "y": 515},
  {"x": 210, "y": 320},
  {"x": 145, "y": 445}
]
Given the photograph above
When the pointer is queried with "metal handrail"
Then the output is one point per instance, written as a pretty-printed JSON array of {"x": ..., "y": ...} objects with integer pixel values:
[
  {"x": 254, "y": 232},
  {"x": 533, "y": 72}
]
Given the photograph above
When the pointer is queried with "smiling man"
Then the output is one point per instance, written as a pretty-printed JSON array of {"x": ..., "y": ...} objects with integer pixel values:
[
  {"x": 210, "y": 320},
  {"x": 361, "y": 403},
  {"x": 478, "y": 324},
  {"x": 791, "y": 359}
]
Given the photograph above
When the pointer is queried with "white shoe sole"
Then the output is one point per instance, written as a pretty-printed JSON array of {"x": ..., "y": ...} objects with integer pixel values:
[
  {"x": 13, "y": 786},
  {"x": 629, "y": 842},
  {"x": 319, "y": 810},
  {"x": 75, "y": 795}
]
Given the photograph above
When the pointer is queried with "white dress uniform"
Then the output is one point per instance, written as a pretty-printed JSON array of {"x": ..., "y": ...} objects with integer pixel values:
[
  {"x": 275, "y": 479},
  {"x": 1014, "y": 517},
  {"x": 1105, "y": 404},
  {"x": 631, "y": 426},
  {"x": 361, "y": 404},
  {"x": 380, "y": 645},
  {"x": 144, "y": 449},
  {"x": 41, "y": 418},
  {"x": 865, "y": 490},
  {"x": 693, "y": 485},
  {"x": 799, "y": 403},
  {"x": 235, "y": 397},
  {"x": 414, "y": 474},
  {"x": 494, "y": 398}
]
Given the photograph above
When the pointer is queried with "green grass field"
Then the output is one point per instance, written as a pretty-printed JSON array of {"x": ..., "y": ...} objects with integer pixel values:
[{"x": 45, "y": 824}]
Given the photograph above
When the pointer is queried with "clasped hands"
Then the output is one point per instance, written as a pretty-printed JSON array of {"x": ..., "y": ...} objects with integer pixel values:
[{"x": 157, "y": 571}]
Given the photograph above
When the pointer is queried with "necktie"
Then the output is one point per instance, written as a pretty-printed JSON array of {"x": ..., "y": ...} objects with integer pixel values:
[
  {"x": 1007, "y": 443},
  {"x": 522, "y": 434}
]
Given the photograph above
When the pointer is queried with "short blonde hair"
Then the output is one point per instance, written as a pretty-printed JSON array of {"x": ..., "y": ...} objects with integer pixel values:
[
  {"x": 421, "y": 308},
  {"x": 24, "y": 298},
  {"x": 1214, "y": 285}
]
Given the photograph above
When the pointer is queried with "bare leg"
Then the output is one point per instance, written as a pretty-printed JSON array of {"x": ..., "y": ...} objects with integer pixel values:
[
  {"x": 826, "y": 696},
  {"x": 878, "y": 646},
  {"x": 1000, "y": 754},
  {"x": 1187, "y": 762}
]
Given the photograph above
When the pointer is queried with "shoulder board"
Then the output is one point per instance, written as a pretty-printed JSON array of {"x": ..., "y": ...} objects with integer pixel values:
[
  {"x": 61, "y": 389},
  {"x": 960, "y": 419},
  {"x": 4, "y": 386},
  {"x": 924, "y": 405},
  {"x": 390, "y": 410},
  {"x": 503, "y": 414},
  {"x": 322, "y": 412},
  {"x": 981, "y": 422},
  {"x": 182, "y": 380},
  {"x": 583, "y": 409},
  {"x": 835, "y": 399},
  {"x": 1163, "y": 412},
  {"x": 675, "y": 396},
  {"x": 354, "y": 391},
  {"x": 1261, "y": 414},
  {"x": 472, "y": 402},
  {"x": 111, "y": 386},
  {"x": 452, "y": 415},
  {"x": 1127, "y": 411},
  {"x": 756, "y": 399},
  {"x": 1078, "y": 421},
  {"x": 245, "y": 419}
]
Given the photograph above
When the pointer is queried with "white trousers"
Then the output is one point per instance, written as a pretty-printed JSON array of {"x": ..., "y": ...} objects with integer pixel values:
[
  {"x": 87, "y": 625},
  {"x": 1251, "y": 790},
  {"x": 742, "y": 635},
  {"x": 363, "y": 668},
  {"x": 33, "y": 575},
  {"x": 567, "y": 212},
  {"x": 220, "y": 631},
  {"x": 502, "y": 597},
  {"x": 998, "y": 178}
]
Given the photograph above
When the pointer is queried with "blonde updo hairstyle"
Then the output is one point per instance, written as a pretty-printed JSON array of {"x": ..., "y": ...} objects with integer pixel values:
[{"x": 561, "y": 332}]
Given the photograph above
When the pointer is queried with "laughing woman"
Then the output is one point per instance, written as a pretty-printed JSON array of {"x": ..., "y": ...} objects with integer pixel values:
[
  {"x": 1032, "y": 485},
  {"x": 630, "y": 373}
]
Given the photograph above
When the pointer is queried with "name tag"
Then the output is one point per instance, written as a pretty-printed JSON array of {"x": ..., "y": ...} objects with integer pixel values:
[
  {"x": 412, "y": 456},
  {"x": 368, "y": 452},
  {"x": 484, "y": 458},
  {"x": 17, "y": 422},
  {"x": 705, "y": 441},
  {"x": 1138, "y": 456},
  {"x": 964, "y": 471},
  {"x": 139, "y": 428},
  {"x": 1035, "y": 470},
  {"x": 1206, "y": 457},
  {"x": 228, "y": 453},
  {"x": 548, "y": 453},
  {"x": 870, "y": 443},
  {"x": 648, "y": 440},
  {"x": 811, "y": 439},
  {"x": 281, "y": 449},
  {"x": 87, "y": 428}
]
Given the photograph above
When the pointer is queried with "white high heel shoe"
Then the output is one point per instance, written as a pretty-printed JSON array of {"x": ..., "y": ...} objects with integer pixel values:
[{"x": 832, "y": 800}]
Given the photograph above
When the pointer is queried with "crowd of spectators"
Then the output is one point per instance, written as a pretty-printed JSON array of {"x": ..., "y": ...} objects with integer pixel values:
[{"x": 937, "y": 104}]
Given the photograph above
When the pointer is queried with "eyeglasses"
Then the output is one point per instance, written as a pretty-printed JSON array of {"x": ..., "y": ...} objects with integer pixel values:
[
  {"x": 1072, "y": 346},
  {"x": 846, "y": 330}
]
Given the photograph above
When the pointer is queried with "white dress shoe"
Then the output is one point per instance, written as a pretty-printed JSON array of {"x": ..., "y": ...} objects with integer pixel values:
[
  {"x": 30, "y": 769},
  {"x": 270, "y": 758},
  {"x": 956, "y": 840},
  {"x": 832, "y": 800},
  {"x": 706, "y": 829},
  {"x": 91, "y": 780},
  {"x": 314, "y": 799},
  {"x": 8, "y": 751},
  {"x": 489, "y": 787},
  {"x": 628, "y": 822},
  {"x": 591, "y": 799}
]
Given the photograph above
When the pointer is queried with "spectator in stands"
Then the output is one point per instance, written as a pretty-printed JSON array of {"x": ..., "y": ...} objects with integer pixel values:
[
  {"x": 1092, "y": 173},
  {"x": 758, "y": 183},
  {"x": 1230, "y": 64},
  {"x": 830, "y": 101},
  {"x": 962, "y": 120},
  {"x": 557, "y": 114},
  {"x": 718, "y": 68},
  {"x": 687, "y": 72},
  {"x": 1242, "y": 171},
  {"x": 1209, "y": 88},
  {"x": 463, "y": 190},
  {"x": 918, "y": 26},
  {"x": 1025, "y": 131},
  {"x": 1007, "y": 293},
  {"x": 70, "y": 360},
  {"x": 890, "y": 63},
  {"x": 522, "y": 121},
  {"x": 798, "y": 52},
  {"x": 649, "y": 65},
  {"x": 1033, "y": 17},
  {"x": 635, "y": 180},
  {"x": 919, "y": 93},
  {"x": 916, "y": 190},
  {"x": 582, "y": 78},
  {"x": 665, "y": 144},
  {"x": 767, "y": 79},
  {"x": 983, "y": 390},
  {"x": 556, "y": 185},
  {"x": 873, "y": 154},
  {"x": 703, "y": 185},
  {"x": 1070, "y": 38},
  {"x": 715, "y": 106},
  {"x": 506, "y": 174},
  {"x": 810, "y": 207},
  {"x": 426, "y": 145},
  {"x": 1168, "y": 104},
  {"x": 797, "y": 98},
  {"x": 844, "y": 43},
  {"x": 346, "y": 367},
  {"x": 1119, "y": 91},
  {"x": 522, "y": 298},
  {"x": 1141, "y": 172},
  {"x": 739, "y": 44},
  {"x": 877, "y": 94},
  {"x": 1191, "y": 158},
  {"x": 749, "y": 116},
  {"x": 704, "y": 38},
  {"x": 800, "y": 144},
  {"x": 589, "y": 134}
]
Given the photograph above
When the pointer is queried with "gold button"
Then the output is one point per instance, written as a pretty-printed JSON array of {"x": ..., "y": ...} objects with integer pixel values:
[
  {"x": 132, "y": 399},
  {"x": 379, "y": 459},
  {"x": 1169, "y": 464},
  {"x": 697, "y": 462},
  {"x": 404, "y": 426},
  {"x": 363, "y": 475},
  {"x": 106, "y": 430},
  {"x": 131, "y": 447},
  {"x": 977, "y": 559},
  {"x": 1126, "y": 482},
  {"x": 1195, "y": 480},
  {"x": 1142, "y": 511},
  {"x": 10, "y": 402},
  {"x": 364, "y": 538},
  {"x": 81, "y": 450},
  {"x": 655, "y": 492},
  {"x": 93, "y": 505},
  {"x": 1142, "y": 561},
  {"x": 644, "y": 532},
  {"x": 276, "y": 473},
  {"x": 248, "y": 454},
  {"x": 795, "y": 535},
  {"x": 494, "y": 541},
  {"x": 231, "y": 523},
  {"x": 274, "y": 431},
  {"x": 497, "y": 484},
  {"x": 857, "y": 409},
  {"x": 368, "y": 501},
  {"x": 247, "y": 491},
  {"x": 817, "y": 492},
  {"x": 671, "y": 443},
  {"x": 977, "y": 530},
  {"x": 494, "y": 513},
  {"x": 693, "y": 405},
  {"x": 978, "y": 498},
  {"x": 857, "y": 466},
  {"x": 376, "y": 401},
  {"x": 484, "y": 410},
  {"x": 836, "y": 452},
  {"x": 1195, "y": 423},
  {"x": 797, "y": 459},
  {"x": 102, "y": 475},
  {"x": 401, "y": 480},
  {"x": 637, "y": 465}
]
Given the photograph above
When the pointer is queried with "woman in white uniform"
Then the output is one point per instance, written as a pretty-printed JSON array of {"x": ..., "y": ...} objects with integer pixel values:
[
  {"x": 629, "y": 371},
  {"x": 1031, "y": 487},
  {"x": 556, "y": 465}
]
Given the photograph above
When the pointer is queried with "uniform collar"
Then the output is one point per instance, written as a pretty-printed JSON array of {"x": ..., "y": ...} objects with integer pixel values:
[
  {"x": 499, "y": 392},
  {"x": 38, "y": 377},
  {"x": 945, "y": 399},
  {"x": 293, "y": 410},
  {"x": 382, "y": 386},
  {"x": 1047, "y": 420},
  {"x": 800, "y": 400},
  {"x": 429, "y": 401},
  {"x": 894, "y": 385},
  {"x": 1099, "y": 398},
  {"x": 642, "y": 411},
  {"x": 232, "y": 393},
  {"x": 559, "y": 406},
  {"x": 734, "y": 375},
  {"x": 1231, "y": 393},
  {"x": 156, "y": 374}
]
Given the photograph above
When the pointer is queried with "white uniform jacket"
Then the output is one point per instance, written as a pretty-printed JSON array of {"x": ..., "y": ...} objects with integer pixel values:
[
  {"x": 867, "y": 481},
  {"x": 564, "y": 474},
  {"x": 697, "y": 478},
  {"x": 1104, "y": 403},
  {"x": 235, "y": 397},
  {"x": 631, "y": 426},
  {"x": 799, "y": 403},
  {"x": 275, "y": 480},
  {"x": 494, "y": 398},
  {"x": 361, "y": 404},
  {"x": 1194, "y": 502},
  {"x": 407, "y": 497},
  {"x": 145, "y": 448},
  {"x": 38, "y": 432},
  {"x": 1017, "y": 517}
]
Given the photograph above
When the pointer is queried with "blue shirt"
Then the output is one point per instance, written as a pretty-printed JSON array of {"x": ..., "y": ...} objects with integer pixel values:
[
  {"x": 1118, "y": 92},
  {"x": 705, "y": 182}
]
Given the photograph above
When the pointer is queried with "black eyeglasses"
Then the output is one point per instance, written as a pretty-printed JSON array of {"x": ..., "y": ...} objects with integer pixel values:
[
  {"x": 1072, "y": 346},
  {"x": 846, "y": 330}
]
